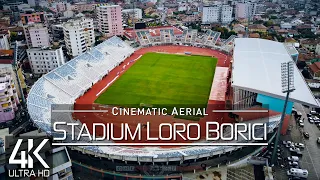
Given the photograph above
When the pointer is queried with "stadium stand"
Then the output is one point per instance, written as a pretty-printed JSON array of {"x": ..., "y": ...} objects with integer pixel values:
[
  {"x": 144, "y": 38},
  {"x": 189, "y": 36},
  {"x": 227, "y": 45},
  {"x": 69, "y": 81},
  {"x": 167, "y": 36},
  {"x": 210, "y": 38}
]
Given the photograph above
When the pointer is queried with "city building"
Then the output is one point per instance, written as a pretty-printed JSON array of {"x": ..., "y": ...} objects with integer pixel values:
[
  {"x": 211, "y": 14},
  {"x": 317, "y": 49},
  {"x": 245, "y": 10},
  {"x": 136, "y": 12},
  {"x": 257, "y": 28},
  {"x": 36, "y": 17},
  {"x": 6, "y": 61},
  {"x": 314, "y": 70},
  {"x": 83, "y": 6},
  {"x": 36, "y": 35},
  {"x": 8, "y": 98},
  {"x": 78, "y": 35},
  {"x": 43, "y": 60},
  {"x": 226, "y": 14},
  {"x": 4, "y": 41},
  {"x": 57, "y": 32},
  {"x": 110, "y": 20},
  {"x": 217, "y": 13}
]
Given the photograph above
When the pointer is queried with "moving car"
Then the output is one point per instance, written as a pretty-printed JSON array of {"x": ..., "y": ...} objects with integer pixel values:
[
  {"x": 301, "y": 124},
  {"x": 306, "y": 135}
]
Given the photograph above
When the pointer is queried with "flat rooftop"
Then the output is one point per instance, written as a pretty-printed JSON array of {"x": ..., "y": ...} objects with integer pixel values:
[{"x": 257, "y": 68}]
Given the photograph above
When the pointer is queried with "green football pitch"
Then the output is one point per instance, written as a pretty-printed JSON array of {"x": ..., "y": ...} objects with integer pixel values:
[{"x": 163, "y": 79}]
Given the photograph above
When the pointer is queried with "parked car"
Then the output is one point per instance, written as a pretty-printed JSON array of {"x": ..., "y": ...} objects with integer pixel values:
[
  {"x": 293, "y": 164},
  {"x": 294, "y": 172},
  {"x": 286, "y": 142},
  {"x": 308, "y": 115},
  {"x": 299, "y": 145},
  {"x": 318, "y": 125},
  {"x": 289, "y": 145},
  {"x": 294, "y": 149},
  {"x": 293, "y": 158},
  {"x": 311, "y": 120},
  {"x": 313, "y": 112},
  {"x": 318, "y": 140},
  {"x": 306, "y": 135}
]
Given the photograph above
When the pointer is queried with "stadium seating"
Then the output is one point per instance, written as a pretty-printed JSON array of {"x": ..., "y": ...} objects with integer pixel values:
[
  {"x": 144, "y": 38},
  {"x": 211, "y": 37},
  {"x": 189, "y": 36}
]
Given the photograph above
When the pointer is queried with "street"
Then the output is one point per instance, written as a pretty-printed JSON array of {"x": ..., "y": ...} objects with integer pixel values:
[{"x": 311, "y": 153}]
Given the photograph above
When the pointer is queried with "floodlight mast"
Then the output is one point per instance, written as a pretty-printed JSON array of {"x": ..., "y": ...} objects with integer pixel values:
[{"x": 287, "y": 80}]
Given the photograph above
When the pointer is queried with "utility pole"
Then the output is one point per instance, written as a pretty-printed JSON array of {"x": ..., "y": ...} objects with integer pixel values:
[{"x": 287, "y": 78}]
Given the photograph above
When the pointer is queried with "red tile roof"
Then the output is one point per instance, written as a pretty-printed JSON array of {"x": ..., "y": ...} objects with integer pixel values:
[{"x": 314, "y": 68}]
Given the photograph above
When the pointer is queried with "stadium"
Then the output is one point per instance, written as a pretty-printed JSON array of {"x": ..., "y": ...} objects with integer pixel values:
[{"x": 114, "y": 73}]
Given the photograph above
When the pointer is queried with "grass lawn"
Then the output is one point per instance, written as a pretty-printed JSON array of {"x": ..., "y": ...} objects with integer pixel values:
[{"x": 163, "y": 79}]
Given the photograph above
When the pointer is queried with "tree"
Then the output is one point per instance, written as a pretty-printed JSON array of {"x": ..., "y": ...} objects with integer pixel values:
[
  {"x": 268, "y": 23},
  {"x": 273, "y": 17}
]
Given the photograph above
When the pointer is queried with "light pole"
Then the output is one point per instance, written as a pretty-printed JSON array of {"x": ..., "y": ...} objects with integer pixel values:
[{"x": 287, "y": 81}]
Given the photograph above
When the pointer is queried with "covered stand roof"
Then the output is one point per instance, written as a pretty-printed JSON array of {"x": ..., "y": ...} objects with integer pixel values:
[{"x": 257, "y": 68}]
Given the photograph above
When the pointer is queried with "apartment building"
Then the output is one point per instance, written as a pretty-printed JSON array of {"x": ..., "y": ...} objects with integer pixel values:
[
  {"x": 36, "y": 35},
  {"x": 8, "y": 98},
  {"x": 110, "y": 20},
  {"x": 78, "y": 35},
  {"x": 217, "y": 13},
  {"x": 43, "y": 60},
  {"x": 226, "y": 14},
  {"x": 36, "y": 17},
  {"x": 137, "y": 13},
  {"x": 4, "y": 41},
  {"x": 245, "y": 10}
]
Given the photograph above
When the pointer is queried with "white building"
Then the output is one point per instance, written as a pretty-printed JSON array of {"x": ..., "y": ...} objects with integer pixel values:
[
  {"x": 211, "y": 14},
  {"x": 8, "y": 98},
  {"x": 110, "y": 20},
  {"x": 36, "y": 35},
  {"x": 245, "y": 10},
  {"x": 43, "y": 60},
  {"x": 78, "y": 35},
  {"x": 217, "y": 13},
  {"x": 317, "y": 49},
  {"x": 285, "y": 25},
  {"x": 4, "y": 42},
  {"x": 226, "y": 14},
  {"x": 137, "y": 12}
]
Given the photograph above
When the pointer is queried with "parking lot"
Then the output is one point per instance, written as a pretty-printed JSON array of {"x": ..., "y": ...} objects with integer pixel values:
[{"x": 311, "y": 153}]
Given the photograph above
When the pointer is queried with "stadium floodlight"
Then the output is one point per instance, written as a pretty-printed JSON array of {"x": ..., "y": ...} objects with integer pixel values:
[
  {"x": 287, "y": 76},
  {"x": 287, "y": 83}
]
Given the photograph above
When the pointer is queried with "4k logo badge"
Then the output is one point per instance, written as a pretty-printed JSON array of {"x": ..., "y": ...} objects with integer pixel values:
[{"x": 26, "y": 159}]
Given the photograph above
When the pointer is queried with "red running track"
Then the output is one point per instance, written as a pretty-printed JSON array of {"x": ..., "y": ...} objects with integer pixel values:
[{"x": 87, "y": 100}]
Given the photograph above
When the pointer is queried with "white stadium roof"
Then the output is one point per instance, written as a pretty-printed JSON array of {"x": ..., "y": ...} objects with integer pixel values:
[{"x": 257, "y": 68}]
